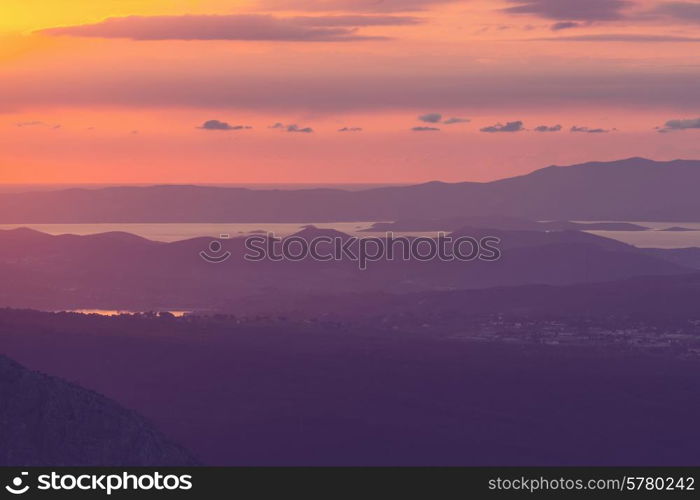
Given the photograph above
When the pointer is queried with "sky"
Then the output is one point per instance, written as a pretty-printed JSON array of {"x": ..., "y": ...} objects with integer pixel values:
[{"x": 341, "y": 91}]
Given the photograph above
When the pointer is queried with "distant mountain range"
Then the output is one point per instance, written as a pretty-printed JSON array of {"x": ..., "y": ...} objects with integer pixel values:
[
  {"x": 631, "y": 189},
  {"x": 122, "y": 271},
  {"x": 48, "y": 422}
]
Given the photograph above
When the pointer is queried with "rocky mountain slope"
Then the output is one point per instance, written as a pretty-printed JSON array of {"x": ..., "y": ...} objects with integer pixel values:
[{"x": 45, "y": 421}]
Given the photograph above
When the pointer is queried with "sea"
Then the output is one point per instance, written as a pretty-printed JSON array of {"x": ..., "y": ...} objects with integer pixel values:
[{"x": 655, "y": 237}]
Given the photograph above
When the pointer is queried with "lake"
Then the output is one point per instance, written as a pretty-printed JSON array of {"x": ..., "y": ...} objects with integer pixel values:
[
  {"x": 654, "y": 238},
  {"x": 177, "y": 232},
  {"x": 115, "y": 312}
]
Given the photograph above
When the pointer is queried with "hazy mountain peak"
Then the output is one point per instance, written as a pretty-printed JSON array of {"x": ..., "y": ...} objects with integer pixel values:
[
  {"x": 634, "y": 188},
  {"x": 311, "y": 231}
]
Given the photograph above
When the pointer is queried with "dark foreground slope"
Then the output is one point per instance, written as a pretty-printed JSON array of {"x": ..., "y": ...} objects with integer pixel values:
[
  {"x": 45, "y": 421},
  {"x": 275, "y": 392}
]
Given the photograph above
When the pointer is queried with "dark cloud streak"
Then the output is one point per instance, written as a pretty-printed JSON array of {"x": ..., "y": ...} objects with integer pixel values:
[
  {"x": 682, "y": 124},
  {"x": 431, "y": 118},
  {"x": 352, "y": 5},
  {"x": 675, "y": 89},
  {"x": 297, "y": 128},
  {"x": 686, "y": 12},
  {"x": 571, "y": 10},
  {"x": 564, "y": 25},
  {"x": 253, "y": 27},
  {"x": 546, "y": 128},
  {"x": 620, "y": 37},
  {"x": 515, "y": 126},
  {"x": 438, "y": 118},
  {"x": 454, "y": 120},
  {"x": 219, "y": 125},
  {"x": 587, "y": 130}
]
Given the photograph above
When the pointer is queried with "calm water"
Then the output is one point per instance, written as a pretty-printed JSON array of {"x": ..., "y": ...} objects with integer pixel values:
[
  {"x": 114, "y": 312},
  {"x": 176, "y": 232},
  {"x": 654, "y": 238}
]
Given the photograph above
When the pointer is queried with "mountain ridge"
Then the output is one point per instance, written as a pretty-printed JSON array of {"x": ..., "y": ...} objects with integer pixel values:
[
  {"x": 630, "y": 189},
  {"x": 94, "y": 272}
]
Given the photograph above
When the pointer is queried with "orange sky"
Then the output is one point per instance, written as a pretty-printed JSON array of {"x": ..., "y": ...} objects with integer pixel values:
[{"x": 111, "y": 91}]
